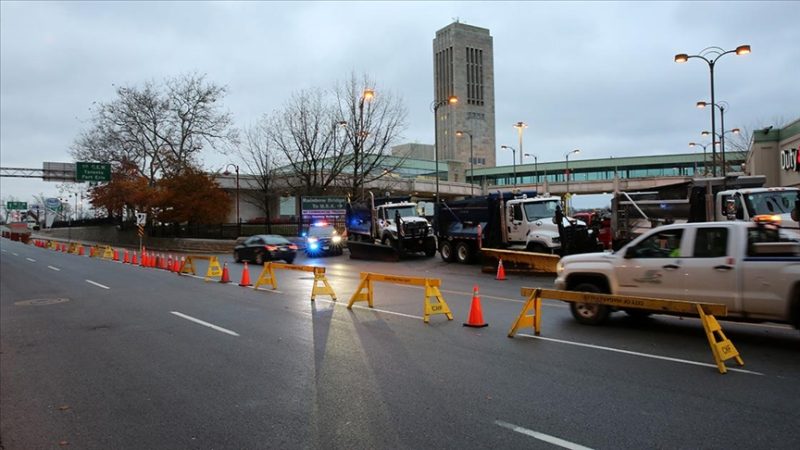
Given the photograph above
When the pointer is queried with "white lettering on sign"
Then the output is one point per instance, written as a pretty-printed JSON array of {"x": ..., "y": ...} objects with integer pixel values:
[{"x": 790, "y": 159}]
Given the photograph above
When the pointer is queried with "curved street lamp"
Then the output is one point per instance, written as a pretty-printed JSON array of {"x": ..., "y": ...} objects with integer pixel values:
[
  {"x": 535, "y": 169},
  {"x": 705, "y": 163},
  {"x": 460, "y": 133},
  {"x": 435, "y": 105},
  {"x": 513, "y": 160},
  {"x": 722, "y": 106},
  {"x": 711, "y": 55},
  {"x": 577, "y": 150},
  {"x": 520, "y": 126}
]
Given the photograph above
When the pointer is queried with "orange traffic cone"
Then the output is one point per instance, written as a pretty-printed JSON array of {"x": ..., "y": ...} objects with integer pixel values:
[
  {"x": 116, "y": 255},
  {"x": 133, "y": 260},
  {"x": 127, "y": 258},
  {"x": 144, "y": 258},
  {"x": 164, "y": 264},
  {"x": 501, "y": 273},
  {"x": 226, "y": 278},
  {"x": 245, "y": 277},
  {"x": 80, "y": 250},
  {"x": 475, "y": 319},
  {"x": 170, "y": 265}
]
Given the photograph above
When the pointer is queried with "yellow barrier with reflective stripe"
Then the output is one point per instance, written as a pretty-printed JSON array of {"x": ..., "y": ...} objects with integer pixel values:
[
  {"x": 365, "y": 293},
  {"x": 721, "y": 347},
  {"x": 267, "y": 276}
]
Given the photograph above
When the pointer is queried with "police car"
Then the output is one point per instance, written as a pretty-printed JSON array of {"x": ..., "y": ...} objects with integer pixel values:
[{"x": 323, "y": 239}]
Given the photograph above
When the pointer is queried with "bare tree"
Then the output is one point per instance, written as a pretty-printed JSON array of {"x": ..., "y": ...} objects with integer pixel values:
[
  {"x": 304, "y": 132},
  {"x": 738, "y": 145},
  {"x": 160, "y": 128},
  {"x": 259, "y": 159},
  {"x": 374, "y": 121}
]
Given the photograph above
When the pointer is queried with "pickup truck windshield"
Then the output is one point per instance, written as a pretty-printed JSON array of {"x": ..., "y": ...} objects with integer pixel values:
[
  {"x": 771, "y": 202},
  {"x": 405, "y": 211},
  {"x": 541, "y": 210}
]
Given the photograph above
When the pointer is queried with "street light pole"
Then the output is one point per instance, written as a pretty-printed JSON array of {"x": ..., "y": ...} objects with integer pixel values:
[
  {"x": 722, "y": 106},
  {"x": 452, "y": 100},
  {"x": 705, "y": 163},
  {"x": 238, "y": 217},
  {"x": 520, "y": 126},
  {"x": 577, "y": 150},
  {"x": 361, "y": 136},
  {"x": 715, "y": 54},
  {"x": 535, "y": 169},
  {"x": 471, "y": 162},
  {"x": 513, "y": 160}
]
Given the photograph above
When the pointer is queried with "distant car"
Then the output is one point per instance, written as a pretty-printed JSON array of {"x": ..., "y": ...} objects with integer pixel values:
[
  {"x": 323, "y": 239},
  {"x": 265, "y": 247}
]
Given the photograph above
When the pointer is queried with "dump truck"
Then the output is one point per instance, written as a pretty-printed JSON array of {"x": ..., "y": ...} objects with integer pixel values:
[
  {"x": 386, "y": 229},
  {"x": 515, "y": 221},
  {"x": 703, "y": 199}
]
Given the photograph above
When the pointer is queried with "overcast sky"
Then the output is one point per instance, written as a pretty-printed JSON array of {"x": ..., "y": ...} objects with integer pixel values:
[{"x": 596, "y": 76}]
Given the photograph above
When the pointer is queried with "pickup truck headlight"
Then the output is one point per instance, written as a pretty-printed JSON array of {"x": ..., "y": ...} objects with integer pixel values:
[
  {"x": 559, "y": 268},
  {"x": 336, "y": 239}
]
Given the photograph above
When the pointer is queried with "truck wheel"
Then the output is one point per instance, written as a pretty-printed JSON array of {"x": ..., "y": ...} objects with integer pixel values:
[
  {"x": 446, "y": 250},
  {"x": 588, "y": 313},
  {"x": 463, "y": 253},
  {"x": 430, "y": 247}
]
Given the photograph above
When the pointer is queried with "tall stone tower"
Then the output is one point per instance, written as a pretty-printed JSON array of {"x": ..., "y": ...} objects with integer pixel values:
[{"x": 463, "y": 65}]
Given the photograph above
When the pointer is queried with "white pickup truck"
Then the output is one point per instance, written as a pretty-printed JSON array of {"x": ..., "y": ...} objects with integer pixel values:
[{"x": 749, "y": 267}]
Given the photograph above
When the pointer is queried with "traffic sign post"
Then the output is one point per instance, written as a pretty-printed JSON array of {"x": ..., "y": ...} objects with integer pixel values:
[{"x": 141, "y": 220}]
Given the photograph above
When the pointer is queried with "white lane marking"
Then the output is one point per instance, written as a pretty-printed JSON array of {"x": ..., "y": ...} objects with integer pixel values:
[
  {"x": 206, "y": 324},
  {"x": 5, "y": 251},
  {"x": 54, "y": 268},
  {"x": 367, "y": 308},
  {"x": 31, "y": 259},
  {"x": 97, "y": 284},
  {"x": 541, "y": 436},
  {"x": 645, "y": 355},
  {"x": 14, "y": 254}
]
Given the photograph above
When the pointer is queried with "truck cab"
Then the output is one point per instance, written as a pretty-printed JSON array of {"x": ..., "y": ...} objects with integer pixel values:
[
  {"x": 530, "y": 223},
  {"x": 773, "y": 205}
]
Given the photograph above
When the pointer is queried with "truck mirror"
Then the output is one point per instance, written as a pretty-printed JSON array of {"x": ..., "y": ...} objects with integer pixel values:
[{"x": 730, "y": 209}]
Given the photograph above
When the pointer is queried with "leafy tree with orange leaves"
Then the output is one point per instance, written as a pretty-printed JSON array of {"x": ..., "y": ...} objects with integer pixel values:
[
  {"x": 128, "y": 190},
  {"x": 191, "y": 196}
]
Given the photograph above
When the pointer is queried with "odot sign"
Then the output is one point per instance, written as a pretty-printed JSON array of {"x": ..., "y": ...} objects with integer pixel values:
[{"x": 87, "y": 171}]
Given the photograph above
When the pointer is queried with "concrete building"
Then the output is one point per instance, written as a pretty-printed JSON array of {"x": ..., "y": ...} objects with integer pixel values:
[
  {"x": 414, "y": 151},
  {"x": 775, "y": 153},
  {"x": 463, "y": 65}
]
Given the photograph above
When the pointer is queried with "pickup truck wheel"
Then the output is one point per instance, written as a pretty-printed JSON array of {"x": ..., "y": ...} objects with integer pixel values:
[
  {"x": 463, "y": 253},
  {"x": 588, "y": 313},
  {"x": 446, "y": 251}
]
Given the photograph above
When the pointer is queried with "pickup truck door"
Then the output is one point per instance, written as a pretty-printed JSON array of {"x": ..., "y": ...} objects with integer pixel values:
[
  {"x": 653, "y": 267},
  {"x": 710, "y": 270},
  {"x": 767, "y": 281}
]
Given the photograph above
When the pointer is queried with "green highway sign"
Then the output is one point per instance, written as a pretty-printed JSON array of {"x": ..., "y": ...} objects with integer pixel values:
[
  {"x": 86, "y": 171},
  {"x": 16, "y": 205}
]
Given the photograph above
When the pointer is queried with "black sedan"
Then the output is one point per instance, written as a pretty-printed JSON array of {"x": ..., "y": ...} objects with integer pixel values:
[{"x": 265, "y": 247}]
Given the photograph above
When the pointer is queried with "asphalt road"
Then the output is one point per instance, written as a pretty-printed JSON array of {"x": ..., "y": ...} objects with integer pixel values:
[{"x": 97, "y": 354}]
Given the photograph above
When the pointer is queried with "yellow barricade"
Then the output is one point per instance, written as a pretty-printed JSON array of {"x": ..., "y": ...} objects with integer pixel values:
[
  {"x": 108, "y": 252},
  {"x": 214, "y": 269},
  {"x": 532, "y": 262},
  {"x": 721, "y": 347},
  {"x": 365, "y": 293},
  {"x": 268, "y": 277}
]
